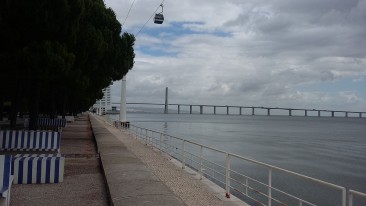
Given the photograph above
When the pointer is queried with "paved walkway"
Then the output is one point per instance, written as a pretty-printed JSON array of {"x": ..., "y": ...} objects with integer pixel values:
[
  {"x": 141, "y": 167},
  {"x": 83, "y": 184},
  {"x": 112, "y": 168}
]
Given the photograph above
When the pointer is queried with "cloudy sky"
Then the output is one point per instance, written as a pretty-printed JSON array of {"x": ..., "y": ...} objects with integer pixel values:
[{"x": 285, "y": 53}]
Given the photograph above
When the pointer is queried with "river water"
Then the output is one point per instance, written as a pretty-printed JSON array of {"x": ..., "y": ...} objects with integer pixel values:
[{"x": 326, "y": 148}]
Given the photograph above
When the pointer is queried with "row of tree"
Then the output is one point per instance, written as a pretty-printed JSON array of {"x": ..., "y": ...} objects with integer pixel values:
[{"x": 57, "y": 56}]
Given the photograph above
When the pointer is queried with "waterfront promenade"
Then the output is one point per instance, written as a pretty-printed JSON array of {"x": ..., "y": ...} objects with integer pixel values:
[
  {"x": 83, "y": 183},
  {"x": 116, "y": 169}
]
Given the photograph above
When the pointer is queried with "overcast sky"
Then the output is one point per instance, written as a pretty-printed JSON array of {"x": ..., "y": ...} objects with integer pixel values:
[{"x": 278, "y": 53}]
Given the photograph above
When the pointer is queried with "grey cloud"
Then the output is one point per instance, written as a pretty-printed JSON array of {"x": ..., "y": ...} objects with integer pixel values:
[
  {"x": 311, "y": 7},
  {"x": 271, "y": 47}
]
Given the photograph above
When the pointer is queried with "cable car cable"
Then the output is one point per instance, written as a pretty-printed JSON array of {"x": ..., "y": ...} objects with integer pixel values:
[
  {"x": 128, "y": 13},
  {"x": 149, "y": 19}
]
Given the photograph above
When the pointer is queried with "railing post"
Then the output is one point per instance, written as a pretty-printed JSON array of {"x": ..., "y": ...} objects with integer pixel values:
[
  {"x": 350, "y": 199},
  {"x": 270, "y": 187},
  {"x": 201, "y": 163},
  {"x": 161, "y": 135},
  {"x": 183, "y": 155},
  {"x": 227, "y": 181},
  {"x": 344, "y": 197},
  {"x": 152, "y": 138},
  {"x": 146, "y": 136},
  {"x": 171, "y": 146}
]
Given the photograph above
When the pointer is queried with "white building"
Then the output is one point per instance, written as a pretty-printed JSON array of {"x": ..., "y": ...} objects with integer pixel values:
[{"x": 105, "y": 103}]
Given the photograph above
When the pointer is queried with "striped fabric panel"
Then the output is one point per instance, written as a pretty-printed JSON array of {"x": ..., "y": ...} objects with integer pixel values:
[
  {"x": 2, "y": 139},
  {"x": 30, "y": 140},
  {"x": 5, "y": 175},
  {"x": 7, "y": 139},
  {"x": 46, "y": 122},
  {"x": 39, "y": 155},
  {"x": 38, "y": 169}
]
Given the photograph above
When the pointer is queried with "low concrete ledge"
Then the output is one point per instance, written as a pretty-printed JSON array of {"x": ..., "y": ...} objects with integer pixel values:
[{"x": 129, "y": 181}]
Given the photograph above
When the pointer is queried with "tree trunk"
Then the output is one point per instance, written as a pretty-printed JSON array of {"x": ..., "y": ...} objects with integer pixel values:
[
  {"x": 1, "y": 109},
  {"x": 53, "y": 107},
  {"x": 64, "y": 106},
  {"x": 15, "y": 106},
  {"x": 34, "y": 109}
]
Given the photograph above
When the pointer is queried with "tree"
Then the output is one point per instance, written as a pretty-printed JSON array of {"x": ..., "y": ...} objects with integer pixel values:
[{"x": 61, "y": 52}]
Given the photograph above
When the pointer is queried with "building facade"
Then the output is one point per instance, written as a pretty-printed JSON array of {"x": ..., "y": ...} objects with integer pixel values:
[{"x": 105, "y": 104}]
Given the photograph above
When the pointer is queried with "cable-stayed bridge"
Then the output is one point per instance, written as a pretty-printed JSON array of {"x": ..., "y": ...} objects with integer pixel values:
[{"x": 247, "y": 110}]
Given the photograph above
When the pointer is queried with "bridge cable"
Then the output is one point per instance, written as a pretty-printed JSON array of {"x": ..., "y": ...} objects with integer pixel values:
[{"x": 149, "y": 19}]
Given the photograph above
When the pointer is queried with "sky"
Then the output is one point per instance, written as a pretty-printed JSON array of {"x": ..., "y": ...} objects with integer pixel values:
[{"x": 275, "y": 53}]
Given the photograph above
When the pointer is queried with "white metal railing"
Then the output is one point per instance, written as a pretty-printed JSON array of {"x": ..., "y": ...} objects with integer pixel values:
[
  {"x": 352, "y": 193},
  {"x": 224, "y": 175}
]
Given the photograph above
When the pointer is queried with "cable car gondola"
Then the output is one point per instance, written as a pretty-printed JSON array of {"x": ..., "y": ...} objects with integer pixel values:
[{"x": 159, "y": 18}]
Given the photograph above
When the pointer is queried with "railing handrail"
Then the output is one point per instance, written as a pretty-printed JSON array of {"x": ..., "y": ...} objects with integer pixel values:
[
  {"x": 357, "y": 193},
  {"x": 248, "y": 159}
]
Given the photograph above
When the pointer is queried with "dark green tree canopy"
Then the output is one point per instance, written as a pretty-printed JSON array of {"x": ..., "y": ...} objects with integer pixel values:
[{"x": 60, "y": 53}]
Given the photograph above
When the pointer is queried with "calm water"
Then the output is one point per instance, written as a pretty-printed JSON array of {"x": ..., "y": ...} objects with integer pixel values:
[{"x": 331, "y": 149}]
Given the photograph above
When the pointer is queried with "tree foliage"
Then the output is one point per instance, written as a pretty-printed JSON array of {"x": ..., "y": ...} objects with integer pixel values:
[{"x": 56, "y": 56}]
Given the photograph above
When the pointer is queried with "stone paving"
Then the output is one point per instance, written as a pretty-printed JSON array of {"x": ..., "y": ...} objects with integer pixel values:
[
  {"x": 184, "y": 183},
  {"x": 83, "y": 183},
  {"x": 120, "y": 170}
]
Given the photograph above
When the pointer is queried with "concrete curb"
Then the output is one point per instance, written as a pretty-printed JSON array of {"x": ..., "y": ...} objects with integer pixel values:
[{"x": 129, "y": 181}]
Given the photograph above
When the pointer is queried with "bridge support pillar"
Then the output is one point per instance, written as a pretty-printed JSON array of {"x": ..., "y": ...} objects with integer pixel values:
[
  {"x": 332, "y": 113},
  {"x": 190, "y": 109},
  {"x": 268, "y": 112},
  {"x": 178, "y": 109},
  {"x": 290, "y": 112},
  {"x": 253, "y": 113},
  {"x": 201, "y": 109},
  {"x": 306, "y": 113},
  {"x": 240, "y": 112},
  {"x": 227, "y": 110},
  {"x": 318, "y": 113},
  {"x": 214, "y": 109},
  {"x": 360, "y": 115},
  {"x": 346, "y": 114}
]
